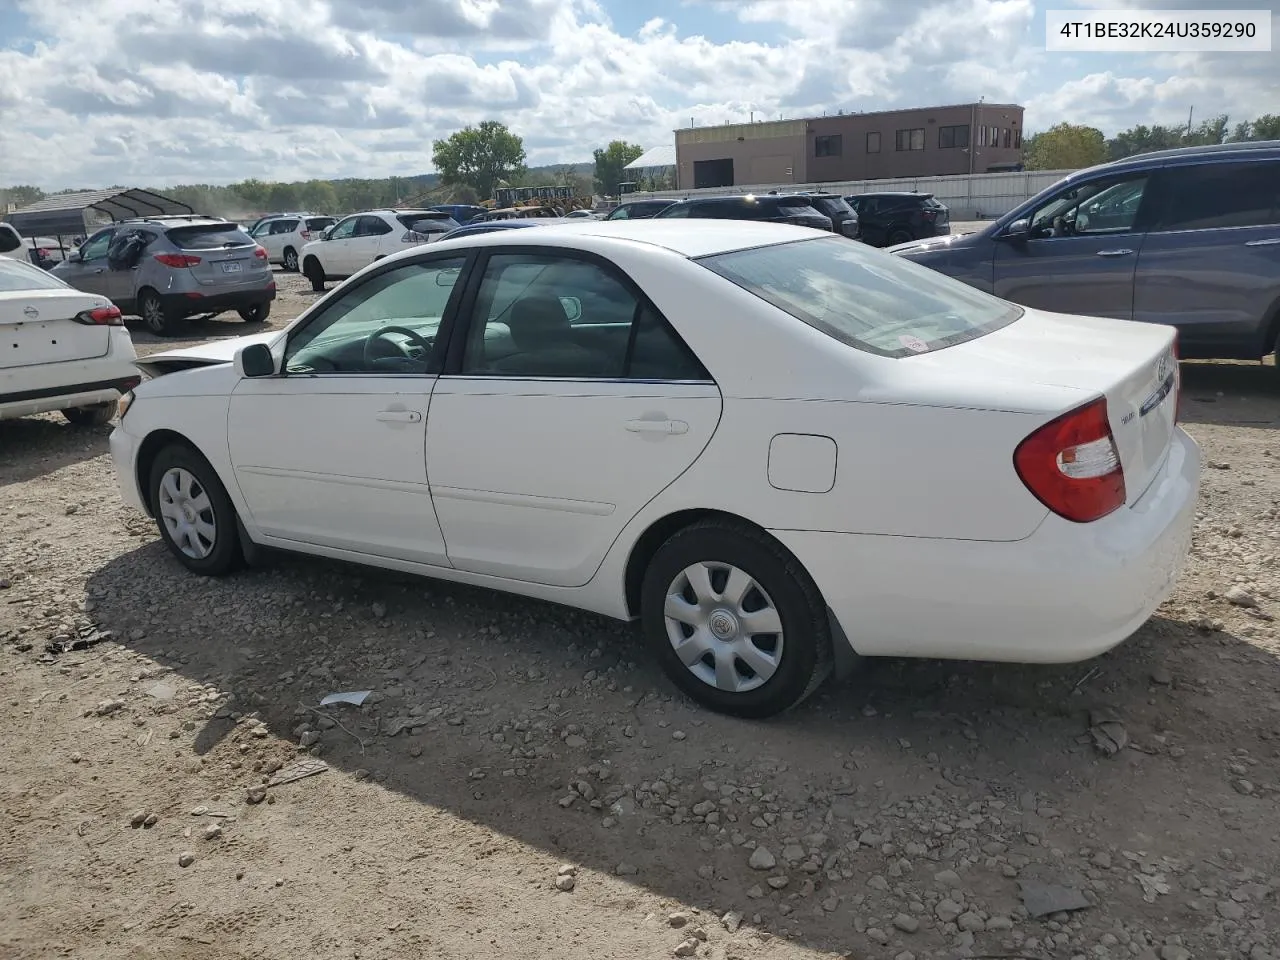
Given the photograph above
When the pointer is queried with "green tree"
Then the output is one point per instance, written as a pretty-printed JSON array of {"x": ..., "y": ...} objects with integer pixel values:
[
  {"x": 282, "y": 197},
  {"x": 1265, "y": 127},
  {"x": 1208, "y": 132},
  {"x": 19, "y": 196},
  {"x": 479, "y": 156},
  {"x": 1066, "y": 146},
  {"x": 319, "y": 196},
  {"x": 609, "y": 163}
]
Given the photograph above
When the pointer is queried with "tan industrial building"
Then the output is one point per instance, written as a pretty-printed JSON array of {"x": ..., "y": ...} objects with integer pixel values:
[{"x": 921, "y": 142}]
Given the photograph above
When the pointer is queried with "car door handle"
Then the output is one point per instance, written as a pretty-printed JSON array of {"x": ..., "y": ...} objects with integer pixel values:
[
  {"x": 1268, "y": 242},
  {"x": 399, "y": 416},
  {"x": 658, "y": 426},
  {"x": 1122, "y": 252}
]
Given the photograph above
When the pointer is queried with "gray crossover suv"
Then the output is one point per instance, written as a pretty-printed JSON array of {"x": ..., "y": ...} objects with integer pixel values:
[
  {"x": 1187, "y": 237},
  {"x": 165, "y": 269}
]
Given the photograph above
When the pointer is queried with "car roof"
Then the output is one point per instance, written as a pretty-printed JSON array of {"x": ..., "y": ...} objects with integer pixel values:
[
  {"x": 688, "y": 238},
  {"x": 1158, "y": 158},
  {"x": 893, "y": 193},
  {"x": 173, "y": 221}
]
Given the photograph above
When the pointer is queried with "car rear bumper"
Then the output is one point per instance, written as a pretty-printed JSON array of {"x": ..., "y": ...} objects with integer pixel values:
[
  {"x": 1065, "y": 593},
  {"x": 46, "y": 387},
  {"x": 196, "y": 302}
]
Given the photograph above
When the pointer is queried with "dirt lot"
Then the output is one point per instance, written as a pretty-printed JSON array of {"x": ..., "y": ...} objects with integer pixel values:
[{"x": 511, "y": 750}]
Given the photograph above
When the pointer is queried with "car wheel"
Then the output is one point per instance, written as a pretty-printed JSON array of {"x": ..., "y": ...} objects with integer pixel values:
[
  {"x": 159, "y": 319},
  {"x": 899, "y": 235},
  {"x": 195, "y": 516},
  {"x": 735, "y": 620},
  {"x": 257, "y": 313},
  {"x": 315, "y": 273},
  {"x": 91, "y": 416},
  {"x": 290, "y": 260}
]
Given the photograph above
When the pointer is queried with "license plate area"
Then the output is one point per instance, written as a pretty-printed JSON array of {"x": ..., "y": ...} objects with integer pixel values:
[{"x": 231, "y": 266}]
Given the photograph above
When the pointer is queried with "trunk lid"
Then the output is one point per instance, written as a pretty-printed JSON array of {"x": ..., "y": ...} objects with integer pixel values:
[
  {"x": 36, "y": 327},
  {"x": 1134, "y": 365},
  {"x": 225, "y": 254}
]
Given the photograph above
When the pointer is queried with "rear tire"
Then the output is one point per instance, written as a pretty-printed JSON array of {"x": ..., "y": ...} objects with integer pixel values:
[
  {"x": 899, "y": 235},
  {"x": 312, "y": 270},
  {"x": 159, "y": 319},
  {"x": 258, "y": 313},
  {"x": 290, "y": 260},
  {"x": 741, "y": 672},
  {"x": 193, "y": 512},
  {"x": 96, "y": 415}
]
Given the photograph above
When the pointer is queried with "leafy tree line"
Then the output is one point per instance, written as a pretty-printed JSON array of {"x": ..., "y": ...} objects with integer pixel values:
[{"x": 1069, "y": 146}]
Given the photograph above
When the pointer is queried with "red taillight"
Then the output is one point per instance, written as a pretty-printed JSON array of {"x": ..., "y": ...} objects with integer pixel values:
[
  {"x": 260, "y": 252},
  {"x": 101, "y": 317},
  {"x": 929, "y": 215},
  {"x": 1072, "y": 466},
  {"x": 177, "y": 259},
  {"x": 305, "y": 234}
]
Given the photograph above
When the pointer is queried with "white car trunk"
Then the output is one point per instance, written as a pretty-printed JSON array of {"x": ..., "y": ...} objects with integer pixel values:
[
  {"x": 1132, "y": 364},
  {"x": 36, "y": 326}
]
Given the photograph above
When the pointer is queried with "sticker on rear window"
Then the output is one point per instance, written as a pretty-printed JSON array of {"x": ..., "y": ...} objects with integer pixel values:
[{"x": 914, "y": 344}]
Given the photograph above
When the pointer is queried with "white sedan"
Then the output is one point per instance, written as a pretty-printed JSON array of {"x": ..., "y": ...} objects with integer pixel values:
[{"x": 777, "y": 449}]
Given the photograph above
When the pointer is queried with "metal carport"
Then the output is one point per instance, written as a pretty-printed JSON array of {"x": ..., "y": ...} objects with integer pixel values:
[{"x": 64, "y": 215}]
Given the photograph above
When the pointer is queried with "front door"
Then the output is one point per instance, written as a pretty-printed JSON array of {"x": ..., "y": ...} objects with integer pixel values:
[
  {"x": 1211, "y": 263},
  {"x": 571, "y": 404},
  {"x": 331, "y": 451},
  {"x": 336, "y": 253},
  {"x": 89, "y": 273},
  {"x": 1081, "y": 250}
]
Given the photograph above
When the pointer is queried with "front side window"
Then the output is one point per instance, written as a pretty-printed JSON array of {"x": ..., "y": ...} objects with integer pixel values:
[
  {"x": 884, "y": 305},
  {"x": 548, "y": 316},
  {"x": 345, "y": 229},
  {"x": 95, "y": 248},
  {"x": 1098, "y": 207},
  {"x": 1217, "y": 195},
  {"x": 385, "y": 325}
]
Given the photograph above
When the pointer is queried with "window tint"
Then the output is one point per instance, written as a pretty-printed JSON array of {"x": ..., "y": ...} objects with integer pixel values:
[
  {"x": 675, "y": 210},
  {"x": 1215, "y": 195},
  {"x": 873, "y": 141},
  {"x": 1098, "y": 207},
  {"x": 551, "y": 316},
  {"x": 372, "y": 227},
  {"x": 210, "y": 236},
  {"x": 885, "y": 305},
  {"x": 830, "y": 146},
  {"x": 345, "y": 229},
  {"x": 95, "y": 248},
  {"x": 284, "y": 226},
  {"x": 344, "y": 338},
  {"x": 319, "y": 223}
]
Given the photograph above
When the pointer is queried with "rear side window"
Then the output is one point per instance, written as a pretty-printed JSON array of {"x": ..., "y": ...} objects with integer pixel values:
[
  {"x": 16, "y": 275},
  {"x": 884, "y": 305},
  {"x": 1209, "y": 196},
  {"x": 319, "y": 223},
  {"x": 210, "y": 236},
  {"x": 284, "y": 226},
  {"x": 833, "y": 206}
]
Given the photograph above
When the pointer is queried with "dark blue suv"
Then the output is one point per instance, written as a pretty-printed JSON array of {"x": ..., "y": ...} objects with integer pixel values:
[{"x": 1187, "y": 237}]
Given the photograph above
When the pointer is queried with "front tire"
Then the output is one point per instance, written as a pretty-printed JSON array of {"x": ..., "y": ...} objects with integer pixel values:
[
  {"x": 159, "y": 319},
  {"x": 97, "y": 415},
  {"x": 196, "y": 519},
  {"x": 258, "y": 313},
  {"x": 735, "y": 620},
  {"x": 290, "y": 260},
  {"x": 315, "y": 273}
]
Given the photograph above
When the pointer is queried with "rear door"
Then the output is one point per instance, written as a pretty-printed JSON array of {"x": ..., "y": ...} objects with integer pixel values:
[
  {"x": 1082, "y": 249},
  {"x": 375, "y": 238},
  {"x": 37, "y": 322},
  {"x": 1211, "y": 263},
  {"x": 219, "y": 254}
]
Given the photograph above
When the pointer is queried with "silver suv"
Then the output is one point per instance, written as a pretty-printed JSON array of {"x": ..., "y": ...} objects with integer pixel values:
[{"x": 166, "y": 269}]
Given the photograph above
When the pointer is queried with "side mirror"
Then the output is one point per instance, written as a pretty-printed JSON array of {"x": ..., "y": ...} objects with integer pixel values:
[
  {"x": 1018, "y": 231},
  {"x": 572, "y": 308},
  {"x": 255, "y": 360}
]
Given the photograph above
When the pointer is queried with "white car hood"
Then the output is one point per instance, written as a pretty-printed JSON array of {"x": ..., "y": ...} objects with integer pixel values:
[{"x": 203, "y": 355}]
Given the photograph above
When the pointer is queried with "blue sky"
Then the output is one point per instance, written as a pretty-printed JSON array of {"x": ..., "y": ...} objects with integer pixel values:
[{"x": 132, "y": 91}]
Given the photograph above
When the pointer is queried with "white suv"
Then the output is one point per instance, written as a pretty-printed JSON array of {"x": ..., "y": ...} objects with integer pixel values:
[
  {"x": 64, "y": 349},
  {"x": 356, "y": 241},
  {"x": 284, "y": 237}
]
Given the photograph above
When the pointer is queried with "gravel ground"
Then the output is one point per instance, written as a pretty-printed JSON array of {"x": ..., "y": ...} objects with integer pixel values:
[{"x": 523, "y": 782}]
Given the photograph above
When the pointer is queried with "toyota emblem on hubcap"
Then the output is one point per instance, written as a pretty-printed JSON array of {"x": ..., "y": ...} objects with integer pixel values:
[{"x": 723, "y": 624}]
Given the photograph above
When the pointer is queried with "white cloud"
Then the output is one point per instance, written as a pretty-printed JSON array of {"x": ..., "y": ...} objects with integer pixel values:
[{"x": 131, "y": 91}]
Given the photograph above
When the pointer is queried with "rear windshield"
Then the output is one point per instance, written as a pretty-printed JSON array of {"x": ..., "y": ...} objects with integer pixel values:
[
  {"x": 407, "y": 220},
  {"x": 319, "y": 223},
  {"x": 868, "y": 299},
  {"x": 791, "y": 203},
  {"x": 16, "y": 275},
  {"x": 209, "y": 236}
]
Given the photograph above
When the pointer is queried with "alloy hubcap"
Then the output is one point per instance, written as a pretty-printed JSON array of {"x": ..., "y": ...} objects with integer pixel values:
[
  {"x": 723, "y": 626},
  {"x": 187, "y": 513}
]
